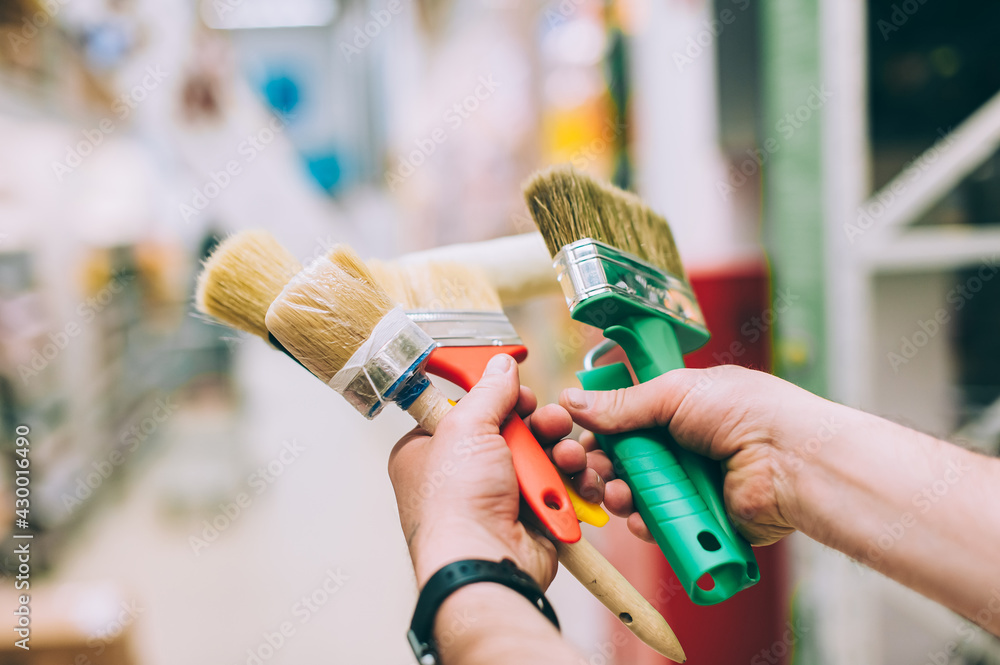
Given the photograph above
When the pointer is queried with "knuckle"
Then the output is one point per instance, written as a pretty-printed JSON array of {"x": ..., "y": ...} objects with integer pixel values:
[
  {"x": 752, "y": 499},
  {"x": 615, "y": 400}
]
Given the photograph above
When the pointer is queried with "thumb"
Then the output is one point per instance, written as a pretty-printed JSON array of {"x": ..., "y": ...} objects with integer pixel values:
[
  {"x": 490, "y": 401},
  {"x": 650, "y": 404}
]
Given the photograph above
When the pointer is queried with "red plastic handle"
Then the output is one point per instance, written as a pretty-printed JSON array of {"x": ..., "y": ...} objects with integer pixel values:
[{"x": 540, "y": 483}]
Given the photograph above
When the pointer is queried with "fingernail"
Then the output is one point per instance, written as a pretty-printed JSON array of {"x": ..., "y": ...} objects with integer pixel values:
[
  {"x": 498, "y": 365},
  {"x": 577, "y": 398}
]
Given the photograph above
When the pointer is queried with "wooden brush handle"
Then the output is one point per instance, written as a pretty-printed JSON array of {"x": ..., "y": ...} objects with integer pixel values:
[
  {"x": 519, "y": 267},
  {"x": 581, "y": 559},
  {"x": 606, "y": 584},
  {"x": 429, "y": 408}
]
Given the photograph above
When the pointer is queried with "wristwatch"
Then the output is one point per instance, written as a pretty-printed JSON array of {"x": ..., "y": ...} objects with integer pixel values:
[{"x": 456, "y": 575}]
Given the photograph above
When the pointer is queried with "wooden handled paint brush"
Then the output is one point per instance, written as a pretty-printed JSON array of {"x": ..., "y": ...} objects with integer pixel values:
[
  {"x": 249, "y": 269},
  {"x": 518, "y": 266},
  {"x": 341, "y": 325},
  {"x": 456, "y": 305},
  {"x": 241, "y": 279},
  {"x": 620, "y": 271},
  {"x": 344, "y": 329}
]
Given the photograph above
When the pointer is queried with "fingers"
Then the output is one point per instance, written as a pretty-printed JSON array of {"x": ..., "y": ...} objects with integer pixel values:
[
  {"x": 599, "y": 462},
  {"x": 639, "y": 528},
  {"x": 550, "y": 424},
  {"x": 594, "y": 480},
  {"x": 526, "y": 402},
  {"x": 569, "y": 456},
  {"x": 618, "y": 498},
  {"x": 589, "y": 485},
  {"x": 650, "y": 404},
  {"x": 489, "y": 402},
  {"x": 589, "y": 441}
]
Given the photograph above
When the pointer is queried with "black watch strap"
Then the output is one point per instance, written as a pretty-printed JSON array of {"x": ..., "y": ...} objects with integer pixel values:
[{"x": 456, "y": 575}]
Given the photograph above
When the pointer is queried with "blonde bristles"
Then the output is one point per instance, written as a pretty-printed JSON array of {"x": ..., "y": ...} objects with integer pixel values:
[
  {"x": 347, "y": 260},
  {"x": 327, "y": 311},
  {"x": 391, "y": 277},
  {"x": 437, "y": 285},
  {"x": 241, "y": 278},
  {"x": 443, "y": 285}
]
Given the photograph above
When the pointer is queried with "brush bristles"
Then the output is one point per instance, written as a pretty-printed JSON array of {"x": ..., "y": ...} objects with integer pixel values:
[
  {"x": 391, "y": 277},
  {"x": 437, "y": 285},
  {"x": 568, "y": 206},
  {"x": 327, "y": 311},
  {"x": 347, "y": 260},
  {"x": 241, "y": 278}
]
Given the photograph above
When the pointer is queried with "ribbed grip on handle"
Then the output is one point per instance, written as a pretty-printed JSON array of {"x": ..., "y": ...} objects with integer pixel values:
[{"x": 688, "y": 532}]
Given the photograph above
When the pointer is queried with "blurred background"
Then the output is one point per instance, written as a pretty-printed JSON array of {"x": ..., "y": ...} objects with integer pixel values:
[{"x": 829, "y": 168}]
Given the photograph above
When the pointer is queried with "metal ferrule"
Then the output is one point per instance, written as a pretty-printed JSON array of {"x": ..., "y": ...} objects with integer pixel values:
[
  {"x": 588, "y": 268},
  {"x": 605, "y": 347},
  {"x": 393, "y": 373},
  {"x": 465, "y": 327}
]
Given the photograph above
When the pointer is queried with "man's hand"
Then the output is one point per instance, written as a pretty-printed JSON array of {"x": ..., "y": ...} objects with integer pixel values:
[
  {"x": 902, "y": 502},
  {"x": 457, "y": 492},
  {"x": 753, "y": 421}
]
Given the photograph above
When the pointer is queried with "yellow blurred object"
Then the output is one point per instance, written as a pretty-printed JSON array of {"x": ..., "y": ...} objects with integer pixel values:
[
  {"x": 161, "y": 268},
  {"x": 95, "y": 272},
  {"x": 583, "y": 136}
]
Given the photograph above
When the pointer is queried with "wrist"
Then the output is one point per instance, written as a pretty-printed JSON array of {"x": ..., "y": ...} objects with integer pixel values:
[
  {"x": 801, "y": 450},
  {"x": 809, "y": 457},
  {"x": 441, "y": 542},
  {"x": 489, "y": 622}
]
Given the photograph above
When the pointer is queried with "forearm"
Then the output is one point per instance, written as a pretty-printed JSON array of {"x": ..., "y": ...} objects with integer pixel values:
[
  {"x": 917, "y": 509},
  {"x": 489, "y": 624},
  {"x": 483, "y": 623}
]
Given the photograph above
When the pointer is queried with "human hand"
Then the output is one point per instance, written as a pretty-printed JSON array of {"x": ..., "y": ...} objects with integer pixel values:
[
  {"x": 752, "y": 421},
  {"x": 456, "y": 491}
]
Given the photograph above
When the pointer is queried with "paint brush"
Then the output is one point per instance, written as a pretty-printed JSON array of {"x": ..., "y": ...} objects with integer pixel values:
[
  {"x": 517, "y": 266},
  {"x": 457, "y": 305},
  {"x": 342, "y": 326},
  {"x": 241, "y": 279},
  {"x": 249, "y": 269},
  {"x": 620, "y": 271}
]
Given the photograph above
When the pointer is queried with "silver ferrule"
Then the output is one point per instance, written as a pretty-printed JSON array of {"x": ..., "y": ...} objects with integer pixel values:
[
  {"x": 465, "y": 327},
  {"x": 588, "y": 268},
  {"x": 383, "y": 373}
]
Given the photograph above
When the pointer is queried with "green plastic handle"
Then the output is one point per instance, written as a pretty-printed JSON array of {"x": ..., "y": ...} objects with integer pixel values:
[{"x": 669, "y": 488}]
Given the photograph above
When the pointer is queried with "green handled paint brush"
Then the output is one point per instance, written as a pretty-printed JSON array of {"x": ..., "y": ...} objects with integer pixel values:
[{"x": 620, "y": 271}]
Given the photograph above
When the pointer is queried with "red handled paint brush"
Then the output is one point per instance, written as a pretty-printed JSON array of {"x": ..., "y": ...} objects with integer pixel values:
[{"x": 456, "y": 305}]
